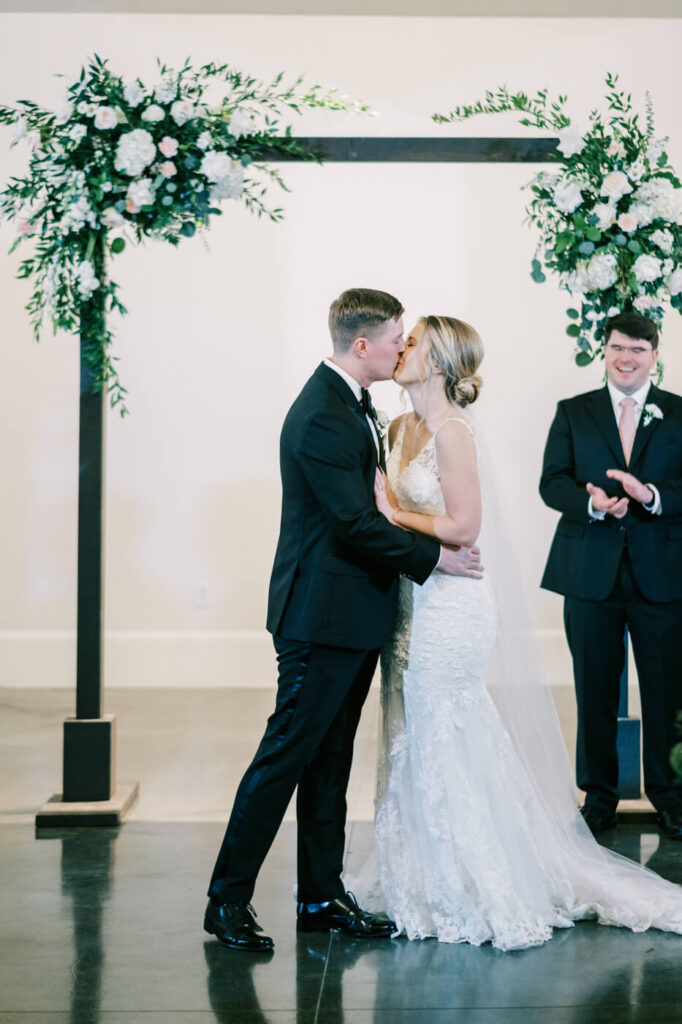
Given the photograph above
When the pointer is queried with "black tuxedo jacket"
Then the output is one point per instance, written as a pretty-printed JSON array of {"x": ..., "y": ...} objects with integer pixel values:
[
  {"x": 334, "y": 579},
  {"x": 583, "y": 443}
]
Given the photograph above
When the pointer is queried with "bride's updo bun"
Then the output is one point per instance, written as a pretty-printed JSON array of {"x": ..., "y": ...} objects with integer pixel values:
[{"x": 456, "y": 351}]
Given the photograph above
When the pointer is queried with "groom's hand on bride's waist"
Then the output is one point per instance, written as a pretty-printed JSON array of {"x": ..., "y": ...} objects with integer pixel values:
[{"x": 457, "y": 561}]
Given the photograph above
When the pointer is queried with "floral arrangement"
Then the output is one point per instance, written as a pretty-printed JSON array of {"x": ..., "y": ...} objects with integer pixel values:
[
  {"x": 609, "y": 217},
  {"x": 121, "y": 160}
]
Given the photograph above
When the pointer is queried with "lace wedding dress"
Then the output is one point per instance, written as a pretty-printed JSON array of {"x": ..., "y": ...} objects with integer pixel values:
[{"x": 473, "y": 841}]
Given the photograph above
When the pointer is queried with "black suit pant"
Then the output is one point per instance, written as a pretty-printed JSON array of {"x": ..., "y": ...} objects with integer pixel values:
[
  {"x": 308, "y": 742},
  {"x": 595, "y": 632}
]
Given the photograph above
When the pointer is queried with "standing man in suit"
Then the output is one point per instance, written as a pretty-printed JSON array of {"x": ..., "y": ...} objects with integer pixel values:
[
  {"x": 613, "y": 468},
  {"x": 331, "y": 606}
]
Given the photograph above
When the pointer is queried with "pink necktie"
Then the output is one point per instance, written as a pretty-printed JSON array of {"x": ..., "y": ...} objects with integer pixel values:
[{"x": 627, "y": 426}]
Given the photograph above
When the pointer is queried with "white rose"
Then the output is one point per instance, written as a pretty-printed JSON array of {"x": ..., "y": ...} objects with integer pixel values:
[
  {"x": 88, "y": 109},
  {"x": 111, "y": 218},
  {"x": 78, "y": 132},
  {"x": 134, "y": 152},
  {"x": 64, "y": 110},
  {"x": 140, "y": 192},
  {"x": 204, "y": 140},
  {"x": 664, "y": 240},
  {"x": 166, "y": 90},
  {"x": 602, "y": 271},
  {"x": 606, "y": 214},
  {"x": 615, "y": 185},
  {"x": 240, "y": 124},
  {"x": 570, "y": 142},
  {"x": 646, "y": 268},
  {"x": 105, "y": 118},
  {"x": 568, "y": 196},
  {"x": 133, "y": 94},
  {"x": 674, "y": 282},
  {"x": 153, "y": 113},
  {"x": 181, "y": 111},
  {"x": 229, "y": 187},
  {"x": 216, "y": 165}
]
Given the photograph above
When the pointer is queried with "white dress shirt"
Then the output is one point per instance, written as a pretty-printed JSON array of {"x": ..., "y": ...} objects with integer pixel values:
[
  {"x": 640, "y": 401},
  {"x": 357, "y": 391}
]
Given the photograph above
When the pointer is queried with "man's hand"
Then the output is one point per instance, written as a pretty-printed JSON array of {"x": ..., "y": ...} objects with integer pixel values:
[
  {"x": 631, "y": 485},
  {"x": 602, "y": 503},
  {"x": 461, "y": 562}
]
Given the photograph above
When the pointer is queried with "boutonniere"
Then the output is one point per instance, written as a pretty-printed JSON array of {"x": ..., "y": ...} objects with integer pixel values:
[
  {"x": 651, "y": 412},
  {"x": 382, "y": 422}
]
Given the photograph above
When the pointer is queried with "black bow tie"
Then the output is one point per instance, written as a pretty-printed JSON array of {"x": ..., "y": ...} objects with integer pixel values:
[{"x": 366, "y": 403}]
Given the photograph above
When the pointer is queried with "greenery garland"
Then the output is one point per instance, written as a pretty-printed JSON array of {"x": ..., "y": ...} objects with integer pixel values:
[
  {"x": 610, "y": 217},
  {"x": 121, "y": 161}
]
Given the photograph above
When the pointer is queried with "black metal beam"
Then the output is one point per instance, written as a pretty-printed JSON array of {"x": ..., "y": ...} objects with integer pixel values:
[{"x": 422, "y": 150}]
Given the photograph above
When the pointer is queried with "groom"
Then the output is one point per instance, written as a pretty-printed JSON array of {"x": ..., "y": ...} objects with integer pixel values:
[
  {"x": 613, "y": 468},
  {"x": 331, "y": 606}
]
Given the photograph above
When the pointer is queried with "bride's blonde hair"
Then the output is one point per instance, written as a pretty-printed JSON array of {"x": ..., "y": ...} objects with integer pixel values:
[{"x": 456, "y": 351}]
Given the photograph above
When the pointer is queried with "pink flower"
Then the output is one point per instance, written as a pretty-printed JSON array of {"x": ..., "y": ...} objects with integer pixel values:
[
  {"x": 132, "y": 207},
  {"x": 24, "y": 227},
  {"x": 168, "y": 169},
  {"x": 627, "y": 222},
  {"x": 168, "y": 146},
  {"x": 615, "y": 148}
]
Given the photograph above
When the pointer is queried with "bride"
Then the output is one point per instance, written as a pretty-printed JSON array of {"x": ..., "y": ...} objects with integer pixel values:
[{"x": 477, "y": 837}]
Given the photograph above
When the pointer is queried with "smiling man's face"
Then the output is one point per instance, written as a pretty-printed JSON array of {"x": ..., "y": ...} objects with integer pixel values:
[{"x": 629, "y": 361}]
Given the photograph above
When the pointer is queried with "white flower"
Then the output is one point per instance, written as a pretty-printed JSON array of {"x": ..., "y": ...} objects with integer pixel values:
[
  {"x": 646, "y": 268},
  {"x": 674, "y": 282},
  {"x": 654, "y": 150},
  {"x": 111, "y": 218},
  {"x": 667, "y": 267},
  {"x": 87, "y": 281},
  {"x": 602, "y": 271},
  {"x": 664, "y": 199},
  {"x": 230, "y": 186},
  {"x": 642, "y": 213},
  {"x": 140, "y": 192},
  {"x": 168, "y": 146},
  {"x": 576, "y": 282},
  {"x": 664, "y": 240},
  {"x": 78, "y": 132},
  {"x": 204, "y": 140},
  {"x": 612, "y": 311},
  {"x": 570, "y": 142},
  {"x": 64, "y": 110},
  {"x": 134, "y": 152},
  {"x": 216, "y": 165},
  {"x": 651, "y": 412},
  {"x": 606, "y": 214},
  {"x": 106, "y": 186},
  {"x": 88, "y": 109},
  {"x": 567, "y": 196},
  {"x": 637, "y": 170},
  {"x": 78, "y": 213},
  {"x": 240, "y": 124},
  {"x": 153, "y": 113},
  {"x": 105, "y": 118},
  {"x": 181, "y": 111},
  {"x": 133, "y": 94},
  {"x": 166, "y": 90},
  {"x": 644, "y": 302},
  {"x": 594, "y": 315},
  {"x": 615, "y": 185}
]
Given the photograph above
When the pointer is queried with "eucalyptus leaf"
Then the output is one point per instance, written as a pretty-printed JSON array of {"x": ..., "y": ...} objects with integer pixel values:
[
  {"x": 583, "y": 358},
  {"x": 573, "y": 330},
  {"x": 117, "y": 246}
]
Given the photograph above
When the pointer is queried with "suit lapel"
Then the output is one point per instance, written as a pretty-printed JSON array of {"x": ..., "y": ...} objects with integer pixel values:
[
  {"x": 338, "y": 383},
  {"x": 601, "y": 410},
  {"x": 645, "y": 433}
]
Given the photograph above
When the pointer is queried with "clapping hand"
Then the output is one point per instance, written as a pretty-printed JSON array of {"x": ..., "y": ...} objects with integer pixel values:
[
  {"x": 602, "y": 503},
  {"x": 632, "y": 486}
]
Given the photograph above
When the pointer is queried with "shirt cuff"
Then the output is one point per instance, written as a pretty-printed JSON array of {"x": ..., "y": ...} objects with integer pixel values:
[
  {"x": 655, "y": 507},
  {"x": 594, "y": 514}
]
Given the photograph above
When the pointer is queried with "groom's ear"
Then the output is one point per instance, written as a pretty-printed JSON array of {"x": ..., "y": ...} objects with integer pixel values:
[{"x": 360, "y": 347}]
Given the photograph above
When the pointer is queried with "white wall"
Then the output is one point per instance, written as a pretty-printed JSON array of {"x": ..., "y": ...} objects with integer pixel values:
[{"x": 220, "y": 336}]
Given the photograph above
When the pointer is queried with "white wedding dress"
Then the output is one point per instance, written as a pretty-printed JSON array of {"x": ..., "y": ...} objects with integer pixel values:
[{"x": 474, "y": 839}]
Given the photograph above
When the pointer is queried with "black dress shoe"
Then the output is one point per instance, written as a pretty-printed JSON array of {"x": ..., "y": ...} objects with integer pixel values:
[
  {"x": 343, "y": 914},
  {"x": 234, "y": 924},
  {"x": 598, "y": 819},
  {"x": 670, "y": 822}
]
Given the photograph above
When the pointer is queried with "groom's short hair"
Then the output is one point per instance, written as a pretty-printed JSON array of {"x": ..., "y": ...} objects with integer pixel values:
[
  {"x": 359, "y": 313},
  {"x": 635, "y": 326}
]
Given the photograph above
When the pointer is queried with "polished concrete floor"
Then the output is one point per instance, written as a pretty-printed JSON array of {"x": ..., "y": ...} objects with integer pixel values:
[{"x": 104, "y": 925}]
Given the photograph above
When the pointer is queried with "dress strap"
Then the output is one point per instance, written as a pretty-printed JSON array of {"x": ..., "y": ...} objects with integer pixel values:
[{"x": 454, "y": 419}]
